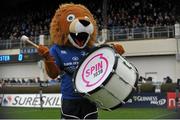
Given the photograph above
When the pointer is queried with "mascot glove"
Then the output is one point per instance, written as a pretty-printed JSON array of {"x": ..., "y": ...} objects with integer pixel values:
[
  {"x": 119, "y": 48},
  {"x": 44, "y": 52},
  {"x": 52, "y": 69}
]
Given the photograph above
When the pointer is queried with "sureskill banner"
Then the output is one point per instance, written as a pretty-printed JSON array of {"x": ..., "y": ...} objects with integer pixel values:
[
  {"x": 146, "y": 100},
  {"x": 32, "y": 100},
  {"x": 54, "y": 100}
]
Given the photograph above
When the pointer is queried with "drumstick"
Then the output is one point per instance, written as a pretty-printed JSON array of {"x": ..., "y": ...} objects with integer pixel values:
[{"x": 26, "y": 39}]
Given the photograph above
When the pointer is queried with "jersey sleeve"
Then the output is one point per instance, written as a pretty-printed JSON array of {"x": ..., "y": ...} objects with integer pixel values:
[{"x": 54, "y": 53}]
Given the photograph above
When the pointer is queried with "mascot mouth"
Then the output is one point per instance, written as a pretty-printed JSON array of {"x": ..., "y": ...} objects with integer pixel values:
[{"x": 80, "y": 38}]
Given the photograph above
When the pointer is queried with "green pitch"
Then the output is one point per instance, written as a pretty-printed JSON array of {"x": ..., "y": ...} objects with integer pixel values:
[{"x": 121, "y": 113}]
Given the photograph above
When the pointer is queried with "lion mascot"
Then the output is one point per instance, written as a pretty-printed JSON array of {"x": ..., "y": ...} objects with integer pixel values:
[{"x": 73, "y": 32}]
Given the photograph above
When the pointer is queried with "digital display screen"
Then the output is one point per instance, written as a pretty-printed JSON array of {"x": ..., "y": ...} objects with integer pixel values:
[
  {"x": 9, "y": 58},
  {"x": 19, "y": 58},
  {"x": 4, "y": 58}
]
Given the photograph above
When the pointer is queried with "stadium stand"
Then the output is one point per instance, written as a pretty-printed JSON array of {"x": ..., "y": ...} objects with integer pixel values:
[
  {"x": 30, "y": 19},
  {"x": 126, "y": 20}
]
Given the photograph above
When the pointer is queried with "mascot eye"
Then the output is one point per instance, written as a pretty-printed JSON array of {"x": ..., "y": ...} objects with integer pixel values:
[
  {"x": 86, "y": 17},
  {"x": 70, "y": 17}
]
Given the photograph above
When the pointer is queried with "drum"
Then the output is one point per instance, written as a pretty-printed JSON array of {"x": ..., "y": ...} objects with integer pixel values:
[{"x": 105, "y": 77}]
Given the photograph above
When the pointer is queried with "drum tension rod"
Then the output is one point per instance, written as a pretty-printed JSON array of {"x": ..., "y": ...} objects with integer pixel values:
[
  {"x": 126, "y": 82},
  {"x": 123, "y": 80},
  {"x": 100, "y": 104},
  {"x": 112, "y": 94}
]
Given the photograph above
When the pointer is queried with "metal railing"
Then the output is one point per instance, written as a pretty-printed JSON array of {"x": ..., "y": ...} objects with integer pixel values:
[
  {"x": 115, "y": 33},
  {"x": 17, "y": 43}
]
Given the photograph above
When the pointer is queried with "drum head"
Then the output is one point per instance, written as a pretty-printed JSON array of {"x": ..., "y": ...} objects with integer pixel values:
[{"x": 94, "y": 69}]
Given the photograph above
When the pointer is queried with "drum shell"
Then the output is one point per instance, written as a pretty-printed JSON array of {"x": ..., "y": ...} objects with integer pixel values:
[{"x": 115, "y": 91}]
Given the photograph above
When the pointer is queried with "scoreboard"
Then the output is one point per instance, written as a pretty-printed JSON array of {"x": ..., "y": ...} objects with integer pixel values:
[
  {"x": 25, "y": 55},
  {"x": 33, "y": 57}
]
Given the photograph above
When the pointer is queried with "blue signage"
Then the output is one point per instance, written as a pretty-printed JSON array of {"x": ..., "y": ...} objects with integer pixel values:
[
  {"x": 147, "y": 100},
  {"x": 28, "y": 50},
  {"x": 20, "y": 57},
  {"x": 11, "y": 58},
  {"x": 4, "y": 58}
]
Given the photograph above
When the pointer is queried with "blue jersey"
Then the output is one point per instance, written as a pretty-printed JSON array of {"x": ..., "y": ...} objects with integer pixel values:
[{"x": 67, "y": 59}]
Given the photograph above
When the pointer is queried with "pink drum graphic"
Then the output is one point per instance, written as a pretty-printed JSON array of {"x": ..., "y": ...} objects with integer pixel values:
[{"x": 95, "y": 69}]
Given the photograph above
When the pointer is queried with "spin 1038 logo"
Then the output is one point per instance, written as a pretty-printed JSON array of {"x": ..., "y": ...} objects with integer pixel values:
[{"x": 95, "y": 70}]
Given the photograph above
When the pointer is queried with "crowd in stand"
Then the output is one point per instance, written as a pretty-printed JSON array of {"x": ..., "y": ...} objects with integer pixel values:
[
  {"x": 31, "y": 24},
  {"x": 141, "y": 13},
  {"x": 33, "y": 18},
  {"x": 26, "y": 81},
  {"x": 166, "y": 79},
  {"x": 142, "y": 79}
]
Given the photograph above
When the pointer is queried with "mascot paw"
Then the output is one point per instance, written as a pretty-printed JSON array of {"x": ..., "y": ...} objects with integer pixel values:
[
  {"x": 43, "y": 51},
  {"x": 119, "y": 48}
]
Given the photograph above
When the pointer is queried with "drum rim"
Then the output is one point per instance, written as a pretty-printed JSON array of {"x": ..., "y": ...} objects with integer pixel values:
[{"x": 107, "y": 79}]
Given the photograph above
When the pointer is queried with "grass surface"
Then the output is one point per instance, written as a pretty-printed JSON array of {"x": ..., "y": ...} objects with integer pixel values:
[{"x": 121, "y": 113}]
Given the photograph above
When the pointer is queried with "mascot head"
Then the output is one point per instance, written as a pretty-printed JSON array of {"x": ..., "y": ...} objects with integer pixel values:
[{"x": 73, "y": 24}]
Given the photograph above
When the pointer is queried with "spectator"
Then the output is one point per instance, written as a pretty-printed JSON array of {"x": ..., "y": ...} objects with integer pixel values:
[
  {"x": 38, "y": 80},
  {"x": 1, "y": 83},
  {"x": 23, "y": 81},
  {"x": 168, "y": 79},
  {"x": 149, "y": 79},
  {"x": 13, "y": 80},
  {"x": 142, "y": 79}
]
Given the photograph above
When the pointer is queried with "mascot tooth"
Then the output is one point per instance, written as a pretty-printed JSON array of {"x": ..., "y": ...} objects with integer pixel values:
[{"x": 80, "y": 32}]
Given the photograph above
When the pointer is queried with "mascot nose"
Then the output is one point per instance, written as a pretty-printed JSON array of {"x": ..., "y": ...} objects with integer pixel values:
[{"x": 84, "y": 22}]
